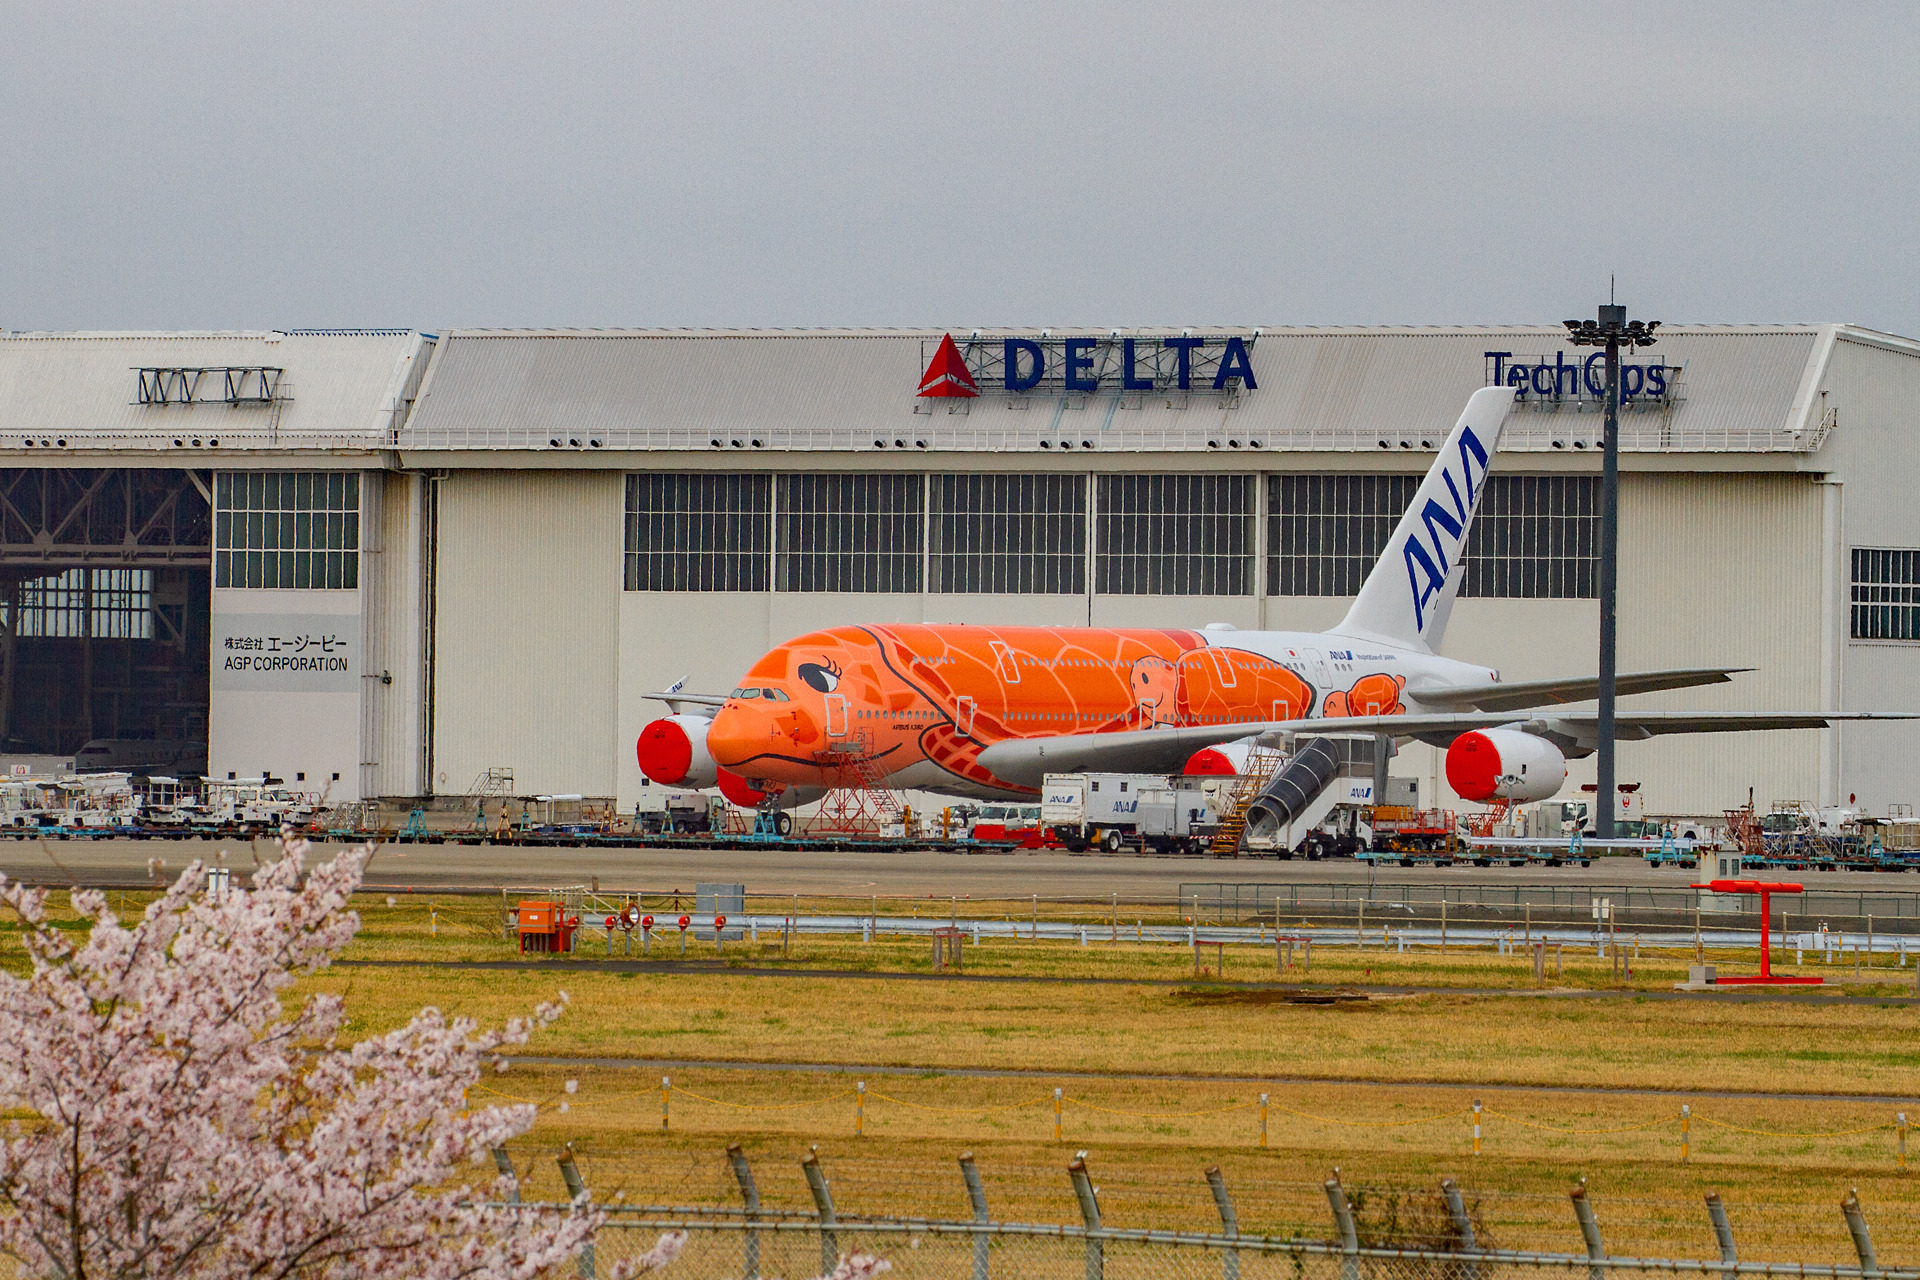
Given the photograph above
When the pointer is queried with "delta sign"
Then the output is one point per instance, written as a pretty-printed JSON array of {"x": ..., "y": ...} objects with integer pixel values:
[{"x": 1022, "y": 366}]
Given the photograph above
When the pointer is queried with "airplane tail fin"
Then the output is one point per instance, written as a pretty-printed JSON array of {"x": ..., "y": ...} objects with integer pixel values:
[{"x": 1408, "y": 596}]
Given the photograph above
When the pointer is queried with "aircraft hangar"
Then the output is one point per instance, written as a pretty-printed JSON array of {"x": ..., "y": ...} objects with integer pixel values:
[{"x": 380, "y": 563}]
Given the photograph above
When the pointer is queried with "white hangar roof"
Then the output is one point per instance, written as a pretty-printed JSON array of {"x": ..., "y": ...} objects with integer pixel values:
[
  {"x": 195, "y": 397},
  {"x": 501, "y": 397},
  {"x": 1723, "y": 388}
]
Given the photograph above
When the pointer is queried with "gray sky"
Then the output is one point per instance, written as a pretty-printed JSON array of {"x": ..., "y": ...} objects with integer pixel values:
[{"x": 320, "y": 164}]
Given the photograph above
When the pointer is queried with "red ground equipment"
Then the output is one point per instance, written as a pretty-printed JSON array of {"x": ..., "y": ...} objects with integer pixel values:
[
  {"x": 1766, "y": 889},
  {"x": 544, "y": 927}
]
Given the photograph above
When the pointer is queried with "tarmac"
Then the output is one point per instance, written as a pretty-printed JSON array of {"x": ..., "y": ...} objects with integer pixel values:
[{"x": 775, "y": 869}]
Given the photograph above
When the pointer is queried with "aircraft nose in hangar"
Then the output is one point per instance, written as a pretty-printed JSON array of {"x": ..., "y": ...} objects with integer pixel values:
[
  {"x": 748, "y": 731},
  {"x": 738, "y": 734}
]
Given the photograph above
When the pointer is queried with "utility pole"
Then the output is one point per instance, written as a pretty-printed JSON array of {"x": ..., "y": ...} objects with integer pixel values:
[{"x": 1611, "y": 331}]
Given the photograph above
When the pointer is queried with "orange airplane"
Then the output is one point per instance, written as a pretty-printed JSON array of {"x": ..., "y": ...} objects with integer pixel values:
[{"x": 988, "y": 711}]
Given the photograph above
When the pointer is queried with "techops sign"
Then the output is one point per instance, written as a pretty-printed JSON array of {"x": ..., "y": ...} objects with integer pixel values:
[
  {"x": 1046, "y": 364},
  {"x": 1582, "y": 379}
]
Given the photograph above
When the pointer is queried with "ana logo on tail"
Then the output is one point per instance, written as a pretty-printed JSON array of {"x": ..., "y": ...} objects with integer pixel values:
[
  {"x": 1435, "y": 562},
  {"x": 947, "y": 374}
]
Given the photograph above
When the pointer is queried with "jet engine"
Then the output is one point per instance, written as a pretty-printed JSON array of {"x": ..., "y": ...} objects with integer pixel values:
[
  {"x": 673, "y": 752},
  {"x": 1505, "y": 764},
  {"x": 1227, "y": 760}
]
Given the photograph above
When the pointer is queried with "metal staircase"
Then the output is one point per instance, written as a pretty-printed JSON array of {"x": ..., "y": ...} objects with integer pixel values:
[
  {"x": 858, "y": 800},
  {"x": 1262, "y": 763}
]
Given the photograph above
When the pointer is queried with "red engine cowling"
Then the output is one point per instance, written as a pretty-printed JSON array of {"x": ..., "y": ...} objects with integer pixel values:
[
  {"x": 673, "y": 752},
  {"x": 1227, "y": 760},
  {"x": 1505, "y": 764}
]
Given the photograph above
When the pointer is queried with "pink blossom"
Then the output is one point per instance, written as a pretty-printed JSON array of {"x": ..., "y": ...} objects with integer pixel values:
[{"x": 186, "y": 1125}]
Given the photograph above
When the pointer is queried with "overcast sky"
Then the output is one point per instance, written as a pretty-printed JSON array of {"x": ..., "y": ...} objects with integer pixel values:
[{"x": 333, "y": 164}]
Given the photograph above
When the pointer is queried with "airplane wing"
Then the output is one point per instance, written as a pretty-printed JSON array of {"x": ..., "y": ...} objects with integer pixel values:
[
  {"x": 1026, "y": 761},
  {"x": 1538, "y": 693},
  {"x": 675, "y": 700}
]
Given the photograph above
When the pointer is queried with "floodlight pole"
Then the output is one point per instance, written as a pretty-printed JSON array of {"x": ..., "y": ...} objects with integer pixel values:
[
  {"x": 1609, "y": 331},
  {"x": 1612, "y": 319}
]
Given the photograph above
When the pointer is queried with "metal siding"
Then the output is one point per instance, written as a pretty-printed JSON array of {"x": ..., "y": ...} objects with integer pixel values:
[
  {"x": 392, "y": 570},
  {"x": 1337, "y": 389},
  {"x": 1873, "y": 387},
  {"x": 1724, "y": 570},
  {"x": 526, "y": 651}
]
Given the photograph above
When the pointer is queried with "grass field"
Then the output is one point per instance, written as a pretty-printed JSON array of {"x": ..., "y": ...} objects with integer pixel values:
[{"x": 1360, "y": 1083}]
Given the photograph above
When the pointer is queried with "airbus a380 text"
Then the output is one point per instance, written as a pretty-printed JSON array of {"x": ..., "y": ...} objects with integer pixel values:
[{"x": 987, "y": 711}]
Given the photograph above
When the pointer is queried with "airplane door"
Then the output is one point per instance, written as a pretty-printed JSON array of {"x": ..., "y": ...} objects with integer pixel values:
[
  {"x": 1322, "y": 673},
  {"x": 963, "y": 716},
  {"x": 837, "y": 715}
]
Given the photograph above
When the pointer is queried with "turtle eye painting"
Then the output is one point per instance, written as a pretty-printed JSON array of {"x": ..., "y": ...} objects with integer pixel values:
[{"x": 823, "y": 676}]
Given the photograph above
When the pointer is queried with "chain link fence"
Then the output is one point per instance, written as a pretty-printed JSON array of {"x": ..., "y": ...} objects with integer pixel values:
[
  {"x": 776, "y": 1248},
  {"x": 787, "y": 1220}
]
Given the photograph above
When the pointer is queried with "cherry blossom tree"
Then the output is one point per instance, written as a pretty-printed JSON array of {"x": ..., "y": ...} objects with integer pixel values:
[{"x": 185, "y": 1124}]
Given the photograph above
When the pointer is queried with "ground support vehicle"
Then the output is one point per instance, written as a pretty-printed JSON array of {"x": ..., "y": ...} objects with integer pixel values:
[
  {"x": 1420, "y": 833},
  {"x": 1114, "y": 811}
]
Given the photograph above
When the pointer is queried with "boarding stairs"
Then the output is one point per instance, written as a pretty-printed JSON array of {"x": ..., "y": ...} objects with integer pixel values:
[
  {"x": 1262, "y": 762},
  {"x": 1318, "y": 778}
]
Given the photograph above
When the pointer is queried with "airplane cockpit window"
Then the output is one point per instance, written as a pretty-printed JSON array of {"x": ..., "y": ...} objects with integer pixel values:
[{"x": 746, "y": 693}]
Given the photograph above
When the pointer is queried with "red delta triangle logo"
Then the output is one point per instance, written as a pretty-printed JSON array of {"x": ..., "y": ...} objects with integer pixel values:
[{"x": 947, "y": 373}]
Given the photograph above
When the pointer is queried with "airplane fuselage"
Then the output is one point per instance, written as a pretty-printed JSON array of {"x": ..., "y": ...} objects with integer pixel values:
[{"x": 916, "y": 704}]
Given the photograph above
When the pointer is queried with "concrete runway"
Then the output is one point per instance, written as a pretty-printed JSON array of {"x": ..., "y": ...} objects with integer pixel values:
[{"x": 775, "y": 870}]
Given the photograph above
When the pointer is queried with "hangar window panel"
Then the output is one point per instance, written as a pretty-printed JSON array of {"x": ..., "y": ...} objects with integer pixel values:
[
  {"x": 852, "y": 533},
  {"x": 104, "y": 604},
  {"x": 1325, "y": 532},
  {"x": 1008, "y": 534},
  {"x": 287, "y": 530},
  {"x": 1886, "y": 594},
  {"x": 1174, "y": 535},
  {"x": 701, "y": 531},
  {"x": 1535, "y": 537}
]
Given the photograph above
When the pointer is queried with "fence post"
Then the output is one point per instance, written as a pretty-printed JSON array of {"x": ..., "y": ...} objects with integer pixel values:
[
  {"x": 1722, "y": 1229},
  {"x": 1229, "y": 1223},
  {"x": 1343, "y": 1219},
  {"x": 577, "y": 1192},
  {"x": 1443, "y": 922},
  {"x": 1263, "y": 1132},
  {"x": 1457, "y": 1210},
  {"x": 750, "y": 1196},
  {"x": 1589, "y": 1230},
  {"x": 977, "y": 1197},
  {"x": 504, "y": 1163},
  {"x": 1056, "y": 1115},
  {"x": 823, "y": 1205},
  {"x": 859, "y": 1108},
  {"x": 1089, "y": 1198},
  {"x": 1476, "y": 1126},
  {"x": 1686, "y": 1131},
  {"x": 666, "y": 1103},
  {"x": 1900, "y": 1124},
  {"x": 1862, "y": 1238}
]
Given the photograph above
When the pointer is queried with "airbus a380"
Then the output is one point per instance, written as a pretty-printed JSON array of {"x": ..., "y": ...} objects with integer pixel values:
[{"x": 987, "y": 711}]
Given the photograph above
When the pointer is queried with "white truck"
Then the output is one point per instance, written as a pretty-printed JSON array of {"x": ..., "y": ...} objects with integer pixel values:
[{"x": 1110, "y": 810}]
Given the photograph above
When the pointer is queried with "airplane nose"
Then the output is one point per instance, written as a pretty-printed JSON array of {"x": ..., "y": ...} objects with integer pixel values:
[
  {"x": 746, "y": 736},
  {"x": 737, "y": 735}
]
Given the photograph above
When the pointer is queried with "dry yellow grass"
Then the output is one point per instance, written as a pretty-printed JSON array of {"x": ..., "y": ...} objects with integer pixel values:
[
  {"x": 1848, "y": 1046},
  {"x": 1150, "y": 1139},
  {"x": 1783, "y": 1192}
]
